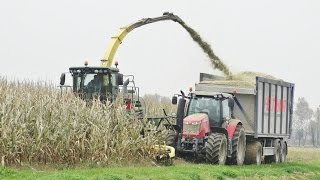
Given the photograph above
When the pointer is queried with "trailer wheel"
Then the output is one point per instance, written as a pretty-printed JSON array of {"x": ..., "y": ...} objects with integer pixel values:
[
  {"x": 238, "y": 146},
  {"x": 171, "y": 139},
  {"x": 277, "y": 147},
  {"x": 277, "y": 155},
  {"x": 284, "y": 152},
  {"x": 253, "y": 153},
  {"x": 216, "y": 149}
]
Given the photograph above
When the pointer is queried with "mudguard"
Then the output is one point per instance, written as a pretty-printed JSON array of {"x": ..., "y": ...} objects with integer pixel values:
[
  {"x": 219, "y": 130},
  {"x": 231, "y": 127}
]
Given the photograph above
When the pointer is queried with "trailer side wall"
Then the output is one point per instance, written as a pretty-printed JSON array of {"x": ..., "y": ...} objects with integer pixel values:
[{"x": 274, "y": 102}]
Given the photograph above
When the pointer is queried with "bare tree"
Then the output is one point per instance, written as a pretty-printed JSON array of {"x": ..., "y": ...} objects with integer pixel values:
[
  {"x": 317, "y": 124},
  {"x": 313, "y": 131},
  {"x": 303, "y": 115}
]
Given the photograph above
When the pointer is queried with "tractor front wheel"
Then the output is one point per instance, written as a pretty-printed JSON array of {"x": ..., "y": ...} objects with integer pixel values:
[
  {"x": 216, "y": 149},
  {"x": 171, "y": 139}
]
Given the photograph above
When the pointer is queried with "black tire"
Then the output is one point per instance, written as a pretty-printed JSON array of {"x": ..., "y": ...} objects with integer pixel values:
[
  {"x": 276, "y": 156},
  {"x": 284, "y": 152},
  {"x": 238, "y": 146},
  {"x": 171, "y": 139},
  {"x": 216, "y": 149},
  {"x": 253, "y": 153}
]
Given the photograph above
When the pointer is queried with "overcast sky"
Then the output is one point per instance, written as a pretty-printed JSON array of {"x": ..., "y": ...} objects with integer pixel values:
[{"x": 40, "y": 39}]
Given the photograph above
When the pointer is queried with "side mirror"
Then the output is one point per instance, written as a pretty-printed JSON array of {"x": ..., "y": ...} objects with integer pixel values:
[
  {"x": 62, "y": 79},
  {"x": 120, "y": 79},
  {"x": 174, "y": 100}
]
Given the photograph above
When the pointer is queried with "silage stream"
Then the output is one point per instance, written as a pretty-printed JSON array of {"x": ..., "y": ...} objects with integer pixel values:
[{"x": 215, "y": 61}]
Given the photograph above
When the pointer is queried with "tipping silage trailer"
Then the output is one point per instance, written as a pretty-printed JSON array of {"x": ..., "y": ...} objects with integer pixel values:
[{"x": 265, "y": 108}]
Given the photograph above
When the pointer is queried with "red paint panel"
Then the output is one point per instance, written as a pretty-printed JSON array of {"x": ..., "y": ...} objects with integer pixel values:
[
  {"x": 200, "y": 118},
  {"x": 231, "y": 128}
]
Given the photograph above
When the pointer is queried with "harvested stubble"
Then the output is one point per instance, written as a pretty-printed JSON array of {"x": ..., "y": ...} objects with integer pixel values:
[{"x": 38, "y": 125}]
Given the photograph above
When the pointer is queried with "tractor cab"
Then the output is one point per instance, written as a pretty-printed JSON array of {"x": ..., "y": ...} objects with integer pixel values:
[{"x": 215, "y": 106}]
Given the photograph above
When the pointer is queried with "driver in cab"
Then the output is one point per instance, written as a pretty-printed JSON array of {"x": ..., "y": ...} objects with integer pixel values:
[{"x": 94, "y": 86}]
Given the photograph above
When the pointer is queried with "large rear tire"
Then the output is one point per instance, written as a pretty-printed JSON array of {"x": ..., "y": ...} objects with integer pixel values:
[
  {"x": 238, "y": 146},
  {"x": 253, "y": 153},
  {"x": 216, "y": 149}
]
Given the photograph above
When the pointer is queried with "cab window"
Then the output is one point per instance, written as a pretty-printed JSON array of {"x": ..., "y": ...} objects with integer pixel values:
[{"x": 225, "y": 109}]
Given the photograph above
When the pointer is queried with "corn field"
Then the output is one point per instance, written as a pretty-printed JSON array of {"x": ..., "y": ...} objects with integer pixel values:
[
  {"x": 155, "y": 104},
  {"x": 39, "y": 125}
]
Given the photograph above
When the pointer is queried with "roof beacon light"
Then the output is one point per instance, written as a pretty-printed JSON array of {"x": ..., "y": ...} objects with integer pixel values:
[
  {"x": 86, "y": 62},
  {"x": 116, "y": 64},
  {"x": 234, "y": 91},
  {"x": 190, "y": 88}
]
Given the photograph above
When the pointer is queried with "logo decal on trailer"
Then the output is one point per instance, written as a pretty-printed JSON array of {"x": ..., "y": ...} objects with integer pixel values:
[{"x": 272, "y": 104}]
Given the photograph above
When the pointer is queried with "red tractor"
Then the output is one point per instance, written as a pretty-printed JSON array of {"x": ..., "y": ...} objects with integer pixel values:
[
  {"x": 207, "y": 129},
  {"x": 234, "y": 122}
]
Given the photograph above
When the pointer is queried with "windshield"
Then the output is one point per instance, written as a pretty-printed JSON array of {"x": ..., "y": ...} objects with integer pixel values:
[
  {"x": 92, "y": 85},
  {"x": 206, "y": 105}
]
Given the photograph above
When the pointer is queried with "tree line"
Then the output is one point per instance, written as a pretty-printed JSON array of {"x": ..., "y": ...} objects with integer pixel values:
[{"x": 306, "y": 124}]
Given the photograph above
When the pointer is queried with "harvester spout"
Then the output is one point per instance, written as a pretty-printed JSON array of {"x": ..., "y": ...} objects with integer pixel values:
[{"x": 117, "y": 39}]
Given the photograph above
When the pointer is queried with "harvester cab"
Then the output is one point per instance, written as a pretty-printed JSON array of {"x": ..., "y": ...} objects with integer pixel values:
[
  {"x": 105, "y": 84},
  {"x": 95, "y": 82}
]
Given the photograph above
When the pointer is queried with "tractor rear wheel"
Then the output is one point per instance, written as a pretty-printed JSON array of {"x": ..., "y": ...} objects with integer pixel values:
[
  {"x": 238, "y": 146},
  {"x": 253, "y": 153},
  {"x": 216, "y": 149},
  {"x": 171, "y": 139}
]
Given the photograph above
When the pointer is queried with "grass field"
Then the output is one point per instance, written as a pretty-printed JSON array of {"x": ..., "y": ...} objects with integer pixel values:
[{"x": 303, "y": 163}]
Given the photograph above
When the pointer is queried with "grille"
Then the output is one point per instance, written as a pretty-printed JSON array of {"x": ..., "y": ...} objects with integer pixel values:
[{"x": 191, "y": 128}]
